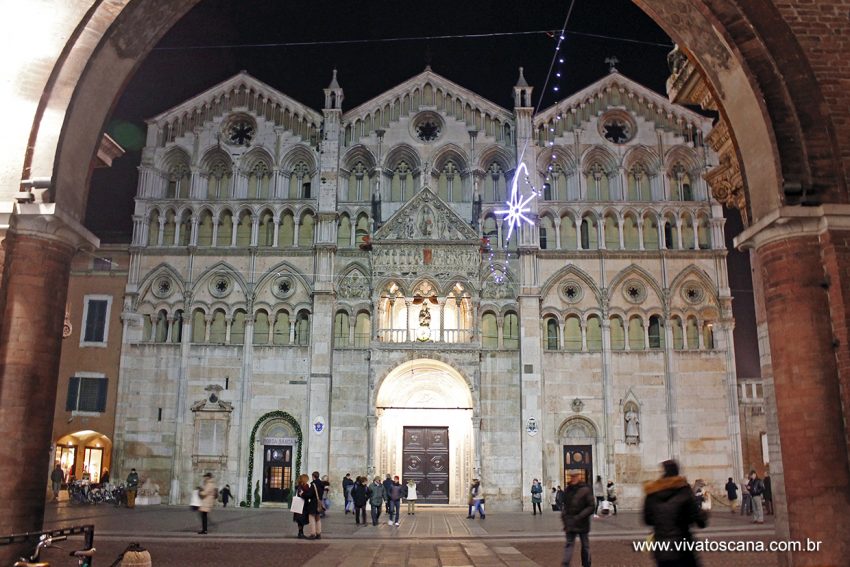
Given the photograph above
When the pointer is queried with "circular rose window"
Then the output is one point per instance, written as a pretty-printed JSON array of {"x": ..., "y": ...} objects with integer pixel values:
[
  {"x": 634, "y": 291},
  {"x": 617, "y": 127}
]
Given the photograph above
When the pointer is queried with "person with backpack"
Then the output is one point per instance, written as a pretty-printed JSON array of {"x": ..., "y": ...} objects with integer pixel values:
[{"x": 756, "y": 489}]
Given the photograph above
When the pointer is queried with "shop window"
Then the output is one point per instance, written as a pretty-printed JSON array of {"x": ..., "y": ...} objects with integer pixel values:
[
  {"x": 87, "y": 394},
  {"x": 95, "y": 320}
]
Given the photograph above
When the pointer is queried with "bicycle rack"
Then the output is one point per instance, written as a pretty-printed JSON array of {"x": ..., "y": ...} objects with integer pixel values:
[{"x": 87, "y": 531}]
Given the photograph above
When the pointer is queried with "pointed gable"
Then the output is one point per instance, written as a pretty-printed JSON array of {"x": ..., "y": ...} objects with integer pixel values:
[
  {"x": 244, "y": 93},
  {"x": 426, "y": 217},
  {"x": 618, "y": 91},
  {"x": 427, "y": 91}
]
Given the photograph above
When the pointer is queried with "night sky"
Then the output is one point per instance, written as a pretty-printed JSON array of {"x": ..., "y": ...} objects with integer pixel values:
[{"x": 365, "y": 42}]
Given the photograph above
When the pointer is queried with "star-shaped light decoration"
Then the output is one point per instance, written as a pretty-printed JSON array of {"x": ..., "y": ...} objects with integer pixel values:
[{"x": 517, "y": 205}]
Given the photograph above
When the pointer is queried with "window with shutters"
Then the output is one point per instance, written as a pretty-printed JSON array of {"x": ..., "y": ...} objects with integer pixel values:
[
  {"x": 87, "y": 393},
  {"x": 95, "y": 326}
]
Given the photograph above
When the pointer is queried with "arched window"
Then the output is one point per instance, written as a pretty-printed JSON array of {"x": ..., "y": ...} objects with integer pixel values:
[
  {"x": 342, "y": 328},
  {"x": 618, "y": 333},
  {"x": 449, "y": 183},
  {"x": 688, "y": 232},
  {"x": 177, "y": 327},
  {"x": 218, "y": 327},
  {"x": 169, "y": 228},
  {"x": 305, "y": 230},
  {"x": 147, "y": 328},
  {"x": 631, "y": 236},
  {"x": 656, "y": 332},
  {"x": 495, "y": 184},
  {"x": 286, "y": 230},
  {"x": 225, "y": 229},
  {"x": 678, "y": 333},
  {"x": 704, "y": 232},
  {"x": 597, "y": 183},
  {"x": 636, "y": 335},
  {"x": 569, "y": 236},
  {"x": 237, "y": 328},
  {"x": 302, "y": 328},
  {"x": 612, "y": 232},
  {"x": 692, "y": 333},
  {"x": 510, "y": 331},
  {"x": 708, "y": 335},
  {"x": 650, "y": 232},
  {"x": 219, "y": 180},
  {"x": 362, "y": 229},
  {"x": 243, "y": 230},
  {"x": 552, "y": 333},
  {"x": 489, "y": 331},
  {"x": 280, "y": 333},
  {"x": 153, "y": 228},
  {"x": 265, "y": 236},
  {"x": 671, "y": 233},
  {"x": 358, "y": 183},
  {"x": 557, "y": 184},
  {"x": 639, "y": 186},
  {"x": 205, "y": 229},
  {"x": 259, "y": 181},
  {"x": 185, "y": 236},
  {"x": 490, "y": 231},
  {"x": 343, "y": 232},
  {"x": 261, "y": 328},
  {"x": 362, "y": 330},
  {"x": 299, "y": 182},
  {"x": 199, "y": 326},
  {"x": 547, "y": 233},
  {"x": 572, "y": 333},
  {"x": 161, "y": 330},
  {"x": 589, "y": 233},
  {"x": 179, "y": 180},
  {"x": 594, "y": 333},
  {"x": 402, "y": 182}
]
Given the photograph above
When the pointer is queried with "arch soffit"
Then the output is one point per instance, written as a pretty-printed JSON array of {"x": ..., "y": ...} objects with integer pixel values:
[
  {"x": 254, "y": 156},
  {"x": 357, "y": 153},
  {"x": 498, "y": 154},
  {"x": 564, "y": 156},
  {"x": 581, "y": 423},
  {"x": 458, "y": 381},
  {"x": 566, "y": 271},
  {"x": 299, "y": 152},
  {"x": 448, "y": 152},
  {"x": 685, "y": 156},
  {"x": 173, "y": 156},
  {"x": 645, "y": 156},
  {"x": 403, "y": 152},
  {"x": 693, "y": 272},
  {"x": 634, "y": 271},
  {"x": 222, "y": 266},
  {"x": 601, "y": 155}
]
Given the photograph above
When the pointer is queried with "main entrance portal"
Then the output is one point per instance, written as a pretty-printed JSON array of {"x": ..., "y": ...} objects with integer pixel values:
[
  {"x": 424, "y": 432},
  {"x": 425, "y": 455}
]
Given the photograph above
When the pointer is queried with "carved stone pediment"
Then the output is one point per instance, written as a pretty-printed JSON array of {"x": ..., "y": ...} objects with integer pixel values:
[
  {"x": 213, "y": 401},
  {"x": 353, "y": 286},
  {"x": 443, "y": 262},
  {"x": 426, "y": 218}
]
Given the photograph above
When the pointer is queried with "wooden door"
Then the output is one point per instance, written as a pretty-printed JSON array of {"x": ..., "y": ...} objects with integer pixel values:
[
  {"x": 578, "y": 458},
  {"x": 277, "y": 472},
  {"x": 425, "y": 458}
]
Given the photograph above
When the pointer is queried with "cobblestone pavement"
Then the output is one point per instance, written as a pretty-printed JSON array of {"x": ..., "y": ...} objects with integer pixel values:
[{"x": 433, "y": 537}]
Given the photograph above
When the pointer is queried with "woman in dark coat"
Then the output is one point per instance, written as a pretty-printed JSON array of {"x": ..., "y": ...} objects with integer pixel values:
[
  {"x": 312, "y": 500},
  {"x": 360, "y": 495},
  {"x": 302, "y": 487}
]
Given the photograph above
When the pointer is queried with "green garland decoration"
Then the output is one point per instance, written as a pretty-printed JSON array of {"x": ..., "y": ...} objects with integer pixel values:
[{"x": 291, "y": 421}]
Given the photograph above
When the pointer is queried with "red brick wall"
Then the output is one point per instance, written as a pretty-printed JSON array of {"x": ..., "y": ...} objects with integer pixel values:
[{"x": 807, "y": 394}]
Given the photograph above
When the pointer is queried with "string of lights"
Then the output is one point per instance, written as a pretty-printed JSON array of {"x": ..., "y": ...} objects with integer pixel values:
[{"x": 551, "y": 33}]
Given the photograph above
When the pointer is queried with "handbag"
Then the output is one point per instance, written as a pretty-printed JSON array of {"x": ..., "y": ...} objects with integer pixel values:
[
  {"x": 297, "y": 506},
  {"x": 195, "y": 501},
  {"x": 320, "y": 506}
]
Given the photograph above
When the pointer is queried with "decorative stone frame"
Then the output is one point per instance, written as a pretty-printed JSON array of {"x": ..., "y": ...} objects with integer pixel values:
[
  {"x": 293, "y": 423},
  {"x": 211, "y": 409}
]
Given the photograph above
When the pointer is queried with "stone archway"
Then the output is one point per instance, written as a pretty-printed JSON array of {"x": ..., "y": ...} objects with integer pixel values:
[
  {"x": 783, "y": 116},
  {"x": 424, "y": 411}
]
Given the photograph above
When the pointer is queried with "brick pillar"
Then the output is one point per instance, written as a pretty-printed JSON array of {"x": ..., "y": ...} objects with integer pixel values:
[
  {"x": 35, "y": 278},
  {"x": 805, "y": 289}
]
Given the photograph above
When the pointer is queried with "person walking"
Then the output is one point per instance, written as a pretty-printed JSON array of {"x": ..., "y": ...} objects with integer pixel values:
[
  {"x": 536, "y": 497},
  {"x": 731, "y": 494},
  {"x": 768, "y": 494},
  {"x": 208, "y": 494},
  {"x": 388, "y": 484},
  {"x": 56, "y": 478},
  {"x": 746, "y": 498},
  {"x": 611, "y": 493},
  {"x": 559, "y": 498},
  {"x": 599, "y": 492},
  {"x": 552, "y": 499},
  {"x": 302, "y": 488},
  {"x": 347, "y": 487},
  {"x": 410, "y": 497},
  {"x": 376, "y": 499},
  {"x": 225, "y": 495},
  {"x": 326, "y": 495},
  {"x": 313, "y": 506},
  {"x": 476, "y": 500},
  {"x": 132, "y": 487},
  {"x": 579, "y": 505},
  {"x": 671, "y": 508},
  {"x": 359, "y": 497},
  {"x": 756, "y": 489},
  {"x": 396, "y": 492}
]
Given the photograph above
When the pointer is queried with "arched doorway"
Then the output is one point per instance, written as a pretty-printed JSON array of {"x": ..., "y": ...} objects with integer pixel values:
[
  {"x": 275, "y": 458},
  {"x": 581, "y": 449},
  {"x": 84, "y": 454},
  {"x": 424, "y": 432}
]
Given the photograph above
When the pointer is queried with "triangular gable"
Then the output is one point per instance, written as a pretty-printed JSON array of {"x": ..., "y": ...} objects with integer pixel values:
[
  {"x": 425, "y": 217},
  {"x": 242, "y": 81},
  {"x": 436, "y": 81},
  {"x": 616, "y": 80}
]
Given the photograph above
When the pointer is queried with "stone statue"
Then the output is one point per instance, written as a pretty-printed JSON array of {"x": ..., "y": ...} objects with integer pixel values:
[
  {"x": 632, "y": 426},
  {"x": 426, "y": 223},
  {"x": 425, "y": 316}
]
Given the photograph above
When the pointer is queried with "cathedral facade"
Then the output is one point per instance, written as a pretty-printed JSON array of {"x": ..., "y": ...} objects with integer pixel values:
[{"x": 338, "y": 291}]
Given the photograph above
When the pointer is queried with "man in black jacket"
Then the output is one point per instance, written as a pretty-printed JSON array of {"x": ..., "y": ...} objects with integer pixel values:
[
  {"x": 576, "y": 510},
  {"x": 671, "y": 508}
]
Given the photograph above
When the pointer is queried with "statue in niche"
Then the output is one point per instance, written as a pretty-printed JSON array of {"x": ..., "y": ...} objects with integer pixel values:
[
  {"x": 425, "y": 316},
  {"x": 426, "y": 222},
  {"x": 632, "y": 423},
  {"x": 409, "y": 227}
]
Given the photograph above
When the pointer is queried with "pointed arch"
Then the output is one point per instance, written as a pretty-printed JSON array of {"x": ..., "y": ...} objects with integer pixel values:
[
  {"x": 634, "y": 271},
  {"x": 296, "y": 154},
  {"x": 576, "y": 272},
  {"x": 403, "y": 152},
  {"x": 224, "y": 267},
  {"x": 645, "y": 156},
  {"x": 599, "y": 155},
  {"x": 357, "y": 153},
  {"x": 282, "y": 268},
  {"x": 449, "y": 152}
]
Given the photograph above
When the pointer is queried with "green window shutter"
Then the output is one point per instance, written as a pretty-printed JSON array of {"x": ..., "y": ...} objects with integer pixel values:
[
  {"x": 103, "y": 384},
  {"x": 73, "y": 388}
]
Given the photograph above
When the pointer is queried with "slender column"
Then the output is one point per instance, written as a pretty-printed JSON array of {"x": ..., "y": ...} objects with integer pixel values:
[
  {"x": 207, "y": 326},
  {"x": 583, "y": 336},
  {"x": 646, "y": 334},
  {"x": 228, "y": 323},
  {"x": 407, "y": 304},
  {"x": 500, "y": 322},
  {"x": 160, "y": 236},
  {"x": 640, "y": 233},
  {"x": 276, "y": 231}
]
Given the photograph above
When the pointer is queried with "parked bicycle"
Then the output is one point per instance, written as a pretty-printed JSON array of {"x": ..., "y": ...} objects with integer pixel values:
[{"x": 83, "y": 556}]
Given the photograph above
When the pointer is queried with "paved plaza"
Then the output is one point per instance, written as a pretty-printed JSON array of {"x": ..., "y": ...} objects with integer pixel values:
[{"x": 440, "y": 536}]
